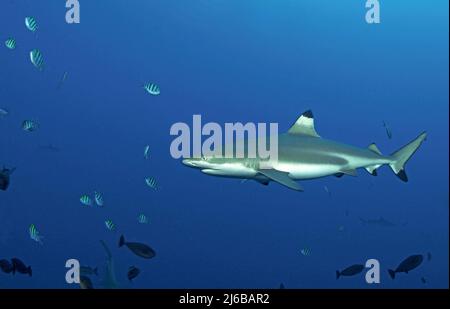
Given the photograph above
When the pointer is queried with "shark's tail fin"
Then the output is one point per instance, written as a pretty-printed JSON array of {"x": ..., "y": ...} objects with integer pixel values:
[{"x": 400, "y": 157}]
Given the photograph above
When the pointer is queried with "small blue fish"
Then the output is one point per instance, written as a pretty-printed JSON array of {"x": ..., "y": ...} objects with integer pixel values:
[
  {"x": 147, "y": 152},
  {"x": 110, "y": 225},
  {"x": 34, "y": 234},
  {"x": 152, "y": 89},
  {"x": 86, "y": 200},
  {"x": 142, "y": 219},
  {"x": 305, "y": 251},
  {"x": 151, "y": 182},
  {"x": 98, "y": 197},
  {"x": 37, "y": 59},
  {"x": 29, "y": 125},
  {"x": 31, "y": 24},
  {"x": 10, "y": 43}
]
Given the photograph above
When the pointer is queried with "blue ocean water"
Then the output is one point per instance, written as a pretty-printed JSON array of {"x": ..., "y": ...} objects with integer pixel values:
[{"x": 230, "y": 61}]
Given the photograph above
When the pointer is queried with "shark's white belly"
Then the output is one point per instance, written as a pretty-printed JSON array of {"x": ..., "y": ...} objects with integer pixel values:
[{"x": 307, "y": 170}]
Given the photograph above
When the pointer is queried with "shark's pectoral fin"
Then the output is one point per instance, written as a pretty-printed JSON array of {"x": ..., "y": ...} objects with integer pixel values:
[
  {"x": 348, "y": 172},
  {"x": 282, "y": 178},
  {"x": 339, "y": 175}
]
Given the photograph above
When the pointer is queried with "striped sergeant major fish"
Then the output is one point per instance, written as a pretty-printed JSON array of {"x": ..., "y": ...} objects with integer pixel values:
[
  {"x": 98, "y": 197},
  {"x": 110, "y": 225},
  {"x": 142, "y": 219},
  {"x": 86, "y": 200},
  {"x": 10, "y": 43},
  {"x": 152, "y": 88},
  {"x": 34, "y": 234},
  {"x": 37, "y": 59},
  {"x": 151, "y": 182},
  {"x": 31, "y": 24},
  {"x": 29, "y": 125}
]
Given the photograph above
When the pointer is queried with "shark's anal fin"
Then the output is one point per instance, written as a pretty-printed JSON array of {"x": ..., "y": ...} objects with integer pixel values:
[
  {"x": 304, "y": 125},
  {"x": 353, "y": 173},
  {"x": 282, "y": 178}
]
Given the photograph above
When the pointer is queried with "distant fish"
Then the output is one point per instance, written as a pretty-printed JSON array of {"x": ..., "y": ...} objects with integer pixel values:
[
  {"x": 139, "y": 249},
  {"x": 49, "y": 147},
  {"x": 407, "y": 265},
  {"x": 388, "y": 130},
  {"x": 152, "y": 89},
  {"x": 347, "y": 212},
  {"x": 20, "y": 267},
  {"x": 29, "y": 125},
  {"x": 110, "y": 225},
  {"x": 151, "y": 182},
  {"x": 429, "y": 256},
  {"x": 379, "y": 222},
  {"x": 86, "y": 283},
  {"x": 31, "y": 24},
  {"x": 305, "y": 251},
  {"x": 147, "y": 152},
  {"x": 6, "y": 266},
  {"x": 98, "y": 197},
  {"x": 5, "y": 174},
  {"x": 142, "y": 219},
  {"x": 86, "y": 200},
  {"x": 327, "y": 190},
  {"x": 35, "y": 235},
  {"x": 63, "y": 80},
  {"x": 37, "y": 59},
  {"x": 3, "y": 113},
  {"x": 424, "y": 281},
  {"x": 88, "y": 271},
  {"x": 10, "y": 43},
  {"x": 350, "y": 271},
  {"x": 282, "y": 286},
  {"x": 133, "y": 272}
]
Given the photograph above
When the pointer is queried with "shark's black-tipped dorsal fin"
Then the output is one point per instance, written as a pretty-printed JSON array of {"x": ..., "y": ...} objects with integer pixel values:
[{"x": 304, "y": 125}]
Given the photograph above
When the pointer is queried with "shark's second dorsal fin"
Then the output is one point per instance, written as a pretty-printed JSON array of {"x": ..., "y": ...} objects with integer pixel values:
[{"x": 304, "y": 125}]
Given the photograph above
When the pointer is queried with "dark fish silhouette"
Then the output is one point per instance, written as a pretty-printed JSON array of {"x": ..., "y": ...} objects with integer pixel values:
[
  {"x": 424, "y": 281},
  {"x": 20, "y": 267},
  {"x": 139, "y": 249},
  {"x": 429, "y": 256},
  {"x": 6, "y": 266},
  {"x": 49, "y": 147},
  {"x": 86, "y": 283},
  {"x": 282, "y": 286},
  {"x": 350, "y": 271},
  {"x": 379, "y": 222},
  {"x": 133, "y": 272},
  {"x": 407, "y": 265},
  {"x": 5, "y": 174}
]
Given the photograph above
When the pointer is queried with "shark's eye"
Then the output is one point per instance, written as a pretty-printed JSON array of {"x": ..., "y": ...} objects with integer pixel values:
[{"x": 203, "y": 158}]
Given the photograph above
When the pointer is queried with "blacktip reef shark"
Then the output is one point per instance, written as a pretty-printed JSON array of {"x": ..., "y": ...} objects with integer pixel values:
[{"x": 303, "y": 154}]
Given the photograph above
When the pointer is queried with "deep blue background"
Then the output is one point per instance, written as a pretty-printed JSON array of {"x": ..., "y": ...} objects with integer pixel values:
[{"x": 248, "y": 61}]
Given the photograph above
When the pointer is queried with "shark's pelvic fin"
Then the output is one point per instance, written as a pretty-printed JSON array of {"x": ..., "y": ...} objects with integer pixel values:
[
  {"x": 282, "y": 178},
  {"x": 304, "y": 125}
]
